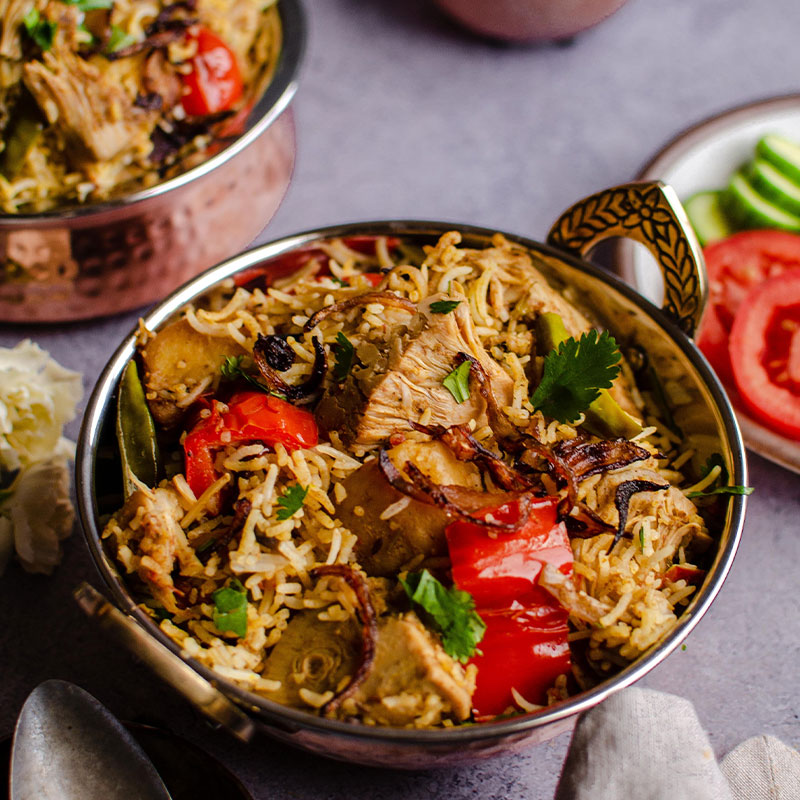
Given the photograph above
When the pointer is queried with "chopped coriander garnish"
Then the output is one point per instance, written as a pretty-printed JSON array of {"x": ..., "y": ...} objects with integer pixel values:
[
  {"x": 574, "y": 374},
  {"x": 344, "y": 351},
  {"x": 683, "y": 647},
  {"x": 231, "y": 369},
  {"x": 89, "y": 5},
  {"x": 716, "y": 460},
  {"x": 339, "y": 281},
  {"x": 118, "y": 39},
  {"x": 444, "y": 306},
  {"x": 291, "y": 501},
  {"x": 452, "y": 611},
  {"x": 40, "y": 30},
  {"x": 641, "y": 537},
  {"x": 457, "y": 382},
  {"x": 733, "y": 490},
  {"x": 230, "y": 612}
]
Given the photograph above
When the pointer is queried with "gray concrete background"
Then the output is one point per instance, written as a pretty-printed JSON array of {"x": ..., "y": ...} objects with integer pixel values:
[{"x": 402, "y": 114}]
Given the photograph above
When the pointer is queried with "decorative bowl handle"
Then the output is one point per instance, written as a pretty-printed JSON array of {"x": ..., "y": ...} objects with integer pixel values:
[
  {"x": 648, "y": 212},
  {"x": 196, "y": 689}
]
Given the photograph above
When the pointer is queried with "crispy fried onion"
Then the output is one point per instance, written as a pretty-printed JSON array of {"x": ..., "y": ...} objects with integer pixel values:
[
  {"x": 369, "y": 631},
  {"x": 584, "y": 458},
  {"x": 220, "y": 538},
  {"x": 578, "y": 459},
  {"x": 622, "y": 500},
  {"x": 567, "y": 463},
  {"x": 461, "y": 443},
  {"x": 166, "y": 28},
  {"x": 300, "y": 393},
  {"x": 343, "y": 306},
  {"x": 456, "y": 501}
]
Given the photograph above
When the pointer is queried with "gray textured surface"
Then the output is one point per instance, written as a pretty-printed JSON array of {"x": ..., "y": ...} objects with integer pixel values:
[{"x": 400, "y": 114}]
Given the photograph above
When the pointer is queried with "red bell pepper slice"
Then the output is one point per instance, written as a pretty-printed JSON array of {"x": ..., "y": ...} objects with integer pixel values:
[
  {"x": 213, "y": 83},
  {"x": 287, "y": 263},
  {"x": 251, "y": 416},
  {"x": 678, "y": 572},
  {"x": 525, "y": 645}
]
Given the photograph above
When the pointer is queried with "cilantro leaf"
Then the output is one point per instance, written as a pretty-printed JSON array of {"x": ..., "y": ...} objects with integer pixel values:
[
  {"x": 574, "y": 374},
  {"x": 345, "y": 352},
  {"x": 40, "y": 30},
  {"x": 291, "y": 501},
  {"x": 457, "y": 382},
  {"x": 89, "y": 5},
  {"x": 444, "y": 306},
  {"x": 452, "y": 611},
  {"x": 716, "y": 460},
  {"x": 230, "y": 612},
  {"x": 231, "y": 369},
  {"x": 118, "y": 39},
  {"x": 734, "y": 490}
]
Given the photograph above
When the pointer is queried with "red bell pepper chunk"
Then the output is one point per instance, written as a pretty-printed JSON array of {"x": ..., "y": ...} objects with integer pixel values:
[
  {"x": 213, "y": 83},
  {"x": 677, "y": 572},
  {"x": 525, "y": 645},
  {"x": 251, "y": 416},
  {"x": 287, "y": 263}
]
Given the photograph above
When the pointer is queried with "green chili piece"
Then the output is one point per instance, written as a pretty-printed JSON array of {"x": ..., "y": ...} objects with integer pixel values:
[{"x": 136, "y": 433}]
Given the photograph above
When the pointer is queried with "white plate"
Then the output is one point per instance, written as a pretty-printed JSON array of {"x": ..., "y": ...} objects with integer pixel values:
[{"x": 704, "y": 157}]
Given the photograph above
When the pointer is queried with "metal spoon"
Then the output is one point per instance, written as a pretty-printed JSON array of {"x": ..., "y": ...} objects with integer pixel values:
[{"x": 67, "y": 746}]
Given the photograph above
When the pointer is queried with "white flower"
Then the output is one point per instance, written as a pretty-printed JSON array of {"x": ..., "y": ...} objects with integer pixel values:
[
  {"x": 37, "y": 397},
  {"x": 40, "y": 515}
]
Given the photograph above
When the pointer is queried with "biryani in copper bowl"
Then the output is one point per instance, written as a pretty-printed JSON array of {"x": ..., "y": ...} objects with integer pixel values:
[
  {"x": 409, "y": 493},
  {"x": 126, "y": 128}
]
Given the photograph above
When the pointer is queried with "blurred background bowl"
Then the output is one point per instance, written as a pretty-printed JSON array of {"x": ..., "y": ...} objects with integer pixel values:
[
  {"x": 529, "y": 20},
  {"x": 100, "y": 259}
]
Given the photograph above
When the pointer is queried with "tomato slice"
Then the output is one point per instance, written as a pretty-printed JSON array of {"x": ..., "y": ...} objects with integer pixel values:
[
  {"x": 735, "y": 266},
  {"x": 214, "y": 82},
  {"x": 765, "y": 353}
]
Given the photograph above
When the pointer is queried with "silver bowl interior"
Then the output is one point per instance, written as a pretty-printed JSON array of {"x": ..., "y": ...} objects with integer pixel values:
[{"x": 631, "y": 318}]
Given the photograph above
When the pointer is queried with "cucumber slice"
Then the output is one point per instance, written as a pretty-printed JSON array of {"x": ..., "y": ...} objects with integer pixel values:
[
  {"x": 708, "y": 218},
  {"x": 774, "y": 185},
  {"x": 783, "y": 154},
  {"x": 749, "y": 209}
]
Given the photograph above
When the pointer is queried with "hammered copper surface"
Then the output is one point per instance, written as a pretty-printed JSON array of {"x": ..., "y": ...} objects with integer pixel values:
[{"x": 127, "y": 257}]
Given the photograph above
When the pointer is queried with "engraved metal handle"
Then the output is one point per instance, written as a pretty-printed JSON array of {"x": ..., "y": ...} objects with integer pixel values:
[
  {"x": 648, "y": 212},
  {"x": 196, "y": 689}
]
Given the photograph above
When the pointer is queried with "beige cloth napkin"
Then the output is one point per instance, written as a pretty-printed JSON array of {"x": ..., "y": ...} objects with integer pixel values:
[{"x": 641, "y": 744}]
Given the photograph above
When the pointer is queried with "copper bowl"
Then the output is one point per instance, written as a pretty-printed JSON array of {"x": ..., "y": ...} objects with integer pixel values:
[
  {"x": 88, "y": 261},
  {"x": 528, "y": 21},
  {"x": 647, "y": 212}
]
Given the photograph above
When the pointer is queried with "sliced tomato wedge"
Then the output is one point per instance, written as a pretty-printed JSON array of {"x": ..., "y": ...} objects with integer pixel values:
[
  {"x": 735, "y": 266},
  {"x": 765, "y": 353}
]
